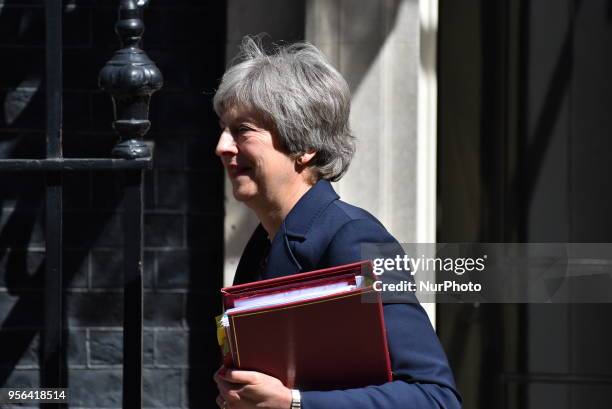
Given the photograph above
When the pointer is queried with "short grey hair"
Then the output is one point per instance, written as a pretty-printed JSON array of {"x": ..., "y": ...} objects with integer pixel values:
[{"x": 302, "y": 94}]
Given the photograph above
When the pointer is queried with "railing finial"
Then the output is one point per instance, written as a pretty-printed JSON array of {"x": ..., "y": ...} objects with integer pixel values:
[{"x": 131, "y": 78}]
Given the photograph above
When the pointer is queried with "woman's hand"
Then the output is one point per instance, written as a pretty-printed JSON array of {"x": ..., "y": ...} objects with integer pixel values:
[{"x": 248, "y": 389}]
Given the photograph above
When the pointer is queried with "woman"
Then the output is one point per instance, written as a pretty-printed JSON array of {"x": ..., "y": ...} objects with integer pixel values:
[{"x": 285, "y": 135}]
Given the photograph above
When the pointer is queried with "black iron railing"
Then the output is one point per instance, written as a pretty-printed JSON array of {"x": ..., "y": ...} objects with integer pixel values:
[{"x": 131, "y": 78}]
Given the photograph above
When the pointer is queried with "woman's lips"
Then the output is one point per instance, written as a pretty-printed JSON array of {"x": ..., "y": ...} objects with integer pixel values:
[{"x": 235, "y": 171}]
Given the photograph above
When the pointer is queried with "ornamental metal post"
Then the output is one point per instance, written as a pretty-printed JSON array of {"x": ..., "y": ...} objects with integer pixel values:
[{"x": 131, "y": 78}]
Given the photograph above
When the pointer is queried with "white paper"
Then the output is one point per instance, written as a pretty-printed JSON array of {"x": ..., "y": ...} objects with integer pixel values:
[{"x": 290, "y": 296}]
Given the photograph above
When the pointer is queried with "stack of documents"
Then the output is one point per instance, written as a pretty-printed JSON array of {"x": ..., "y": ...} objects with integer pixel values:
[{"x": 314, "y": 331}]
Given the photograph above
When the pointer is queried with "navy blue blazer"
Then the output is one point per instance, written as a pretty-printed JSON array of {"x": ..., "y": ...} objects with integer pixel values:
[{"x": 322, "y": 231}]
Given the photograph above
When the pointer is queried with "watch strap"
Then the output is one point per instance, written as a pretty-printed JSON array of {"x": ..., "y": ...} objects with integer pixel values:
[{"x": 296, "y": 399}]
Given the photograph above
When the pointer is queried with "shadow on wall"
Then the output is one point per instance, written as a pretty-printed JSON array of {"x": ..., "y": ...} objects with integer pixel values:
[
  {"x": 183, "y": 201},
  {"x": 362, "y": 29},
  {"x": 22, "y": 261}
]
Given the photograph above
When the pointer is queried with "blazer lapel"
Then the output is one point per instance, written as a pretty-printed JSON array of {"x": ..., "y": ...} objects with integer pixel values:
[{"x": 282, "y": 259}]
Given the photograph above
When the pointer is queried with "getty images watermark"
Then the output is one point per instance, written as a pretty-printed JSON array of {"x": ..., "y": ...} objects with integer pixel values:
[
  {"x": 411, "y": 266},
  {"x": 492, "y": 272}
]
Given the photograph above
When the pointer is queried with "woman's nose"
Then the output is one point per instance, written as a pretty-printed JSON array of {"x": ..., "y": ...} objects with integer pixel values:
[{"x": 226, "y": 144}]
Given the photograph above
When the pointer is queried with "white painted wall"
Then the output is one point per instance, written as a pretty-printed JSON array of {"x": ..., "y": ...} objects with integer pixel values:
[{"x": 386, "y": 50}]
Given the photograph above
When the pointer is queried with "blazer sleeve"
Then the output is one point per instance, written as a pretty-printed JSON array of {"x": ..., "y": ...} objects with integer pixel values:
[{"x": 422, "y": 376}]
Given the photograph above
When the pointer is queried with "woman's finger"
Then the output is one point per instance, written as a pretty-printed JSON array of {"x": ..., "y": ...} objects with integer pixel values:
[
  {"x": 229, "y": 392},
  {"x": 240, "y": 377}
]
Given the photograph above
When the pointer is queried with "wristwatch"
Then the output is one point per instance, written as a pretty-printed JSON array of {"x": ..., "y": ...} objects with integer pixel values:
[{"x": 296, "y": 399}]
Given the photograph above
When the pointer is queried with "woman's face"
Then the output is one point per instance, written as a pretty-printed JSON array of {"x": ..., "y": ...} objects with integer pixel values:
[{"x": 254, "y": 160}]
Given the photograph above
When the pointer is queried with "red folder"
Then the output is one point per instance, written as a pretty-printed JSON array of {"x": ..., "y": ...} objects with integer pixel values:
[{"x": 335, "y": 341}]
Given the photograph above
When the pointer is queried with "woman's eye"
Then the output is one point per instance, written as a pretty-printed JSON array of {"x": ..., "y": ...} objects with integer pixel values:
[{"x": 244, "y": 128}]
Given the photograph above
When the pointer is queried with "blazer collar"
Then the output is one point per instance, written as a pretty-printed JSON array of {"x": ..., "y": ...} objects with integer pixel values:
[
  {"x": 262, "y": 259},
  {"x": 301, "y": 218},
  {"x": 281, "y": 259}
]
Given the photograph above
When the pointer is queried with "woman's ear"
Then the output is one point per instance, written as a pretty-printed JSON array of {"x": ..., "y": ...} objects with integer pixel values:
[{"x": 305, "y": 158}]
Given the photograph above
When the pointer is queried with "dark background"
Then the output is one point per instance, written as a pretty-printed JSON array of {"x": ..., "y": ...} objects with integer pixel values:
[
  {"x": 184, "y": 203},
  {"x": 525, "y": 103}
]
